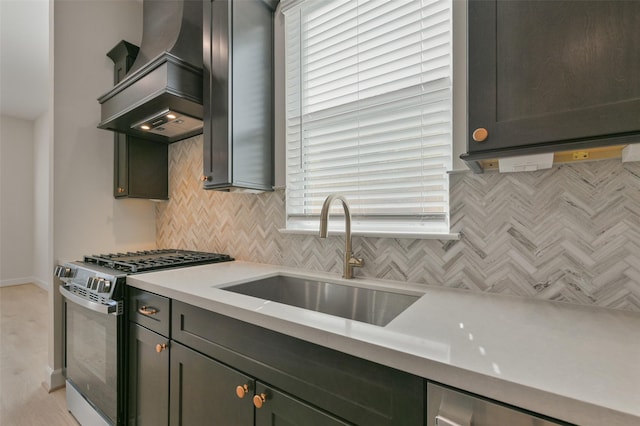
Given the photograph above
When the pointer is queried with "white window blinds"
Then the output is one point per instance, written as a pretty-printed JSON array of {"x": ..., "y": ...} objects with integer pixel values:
[{"x": 368, "y": 104}]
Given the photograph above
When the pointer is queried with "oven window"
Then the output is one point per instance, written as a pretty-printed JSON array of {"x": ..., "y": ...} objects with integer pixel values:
[{"x": 92, "y": 356}]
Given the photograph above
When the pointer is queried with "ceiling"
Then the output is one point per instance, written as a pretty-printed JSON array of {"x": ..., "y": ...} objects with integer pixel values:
[{"x": 24, "y": 58}]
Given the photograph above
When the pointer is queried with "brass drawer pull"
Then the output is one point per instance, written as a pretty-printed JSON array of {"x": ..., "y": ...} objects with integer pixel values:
[{"x": 147, "y": 310}]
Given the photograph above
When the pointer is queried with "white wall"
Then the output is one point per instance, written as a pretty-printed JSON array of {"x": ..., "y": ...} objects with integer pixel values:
[
  {"x": 16, "y": 200},
  {"x": 42, "y": 192},
  {"x": 86, "y": 217}
]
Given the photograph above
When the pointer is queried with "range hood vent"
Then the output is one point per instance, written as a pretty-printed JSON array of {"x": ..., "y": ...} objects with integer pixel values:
[{"x": 161, "y": 96}]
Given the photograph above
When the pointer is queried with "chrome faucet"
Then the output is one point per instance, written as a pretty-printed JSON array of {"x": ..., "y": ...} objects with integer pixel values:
[{"x": 350, "y": 261}]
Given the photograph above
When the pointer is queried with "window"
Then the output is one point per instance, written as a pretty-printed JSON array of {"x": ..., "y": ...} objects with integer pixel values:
[{"x": 368, "y": 104}]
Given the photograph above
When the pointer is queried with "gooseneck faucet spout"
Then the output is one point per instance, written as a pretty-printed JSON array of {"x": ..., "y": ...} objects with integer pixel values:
[{"x": 350, "y": 261}]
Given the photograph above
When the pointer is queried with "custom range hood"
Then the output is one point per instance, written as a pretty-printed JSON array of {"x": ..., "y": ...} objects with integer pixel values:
[{"x": 161, "y": 96}]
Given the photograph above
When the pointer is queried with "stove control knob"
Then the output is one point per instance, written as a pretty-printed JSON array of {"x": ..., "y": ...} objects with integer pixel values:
[
  {"x": 100, "y": 285},
  {"x": 62, "y": 272},
  {"x": 105, "y": 286},
  {"x": 93, "y": 282}
]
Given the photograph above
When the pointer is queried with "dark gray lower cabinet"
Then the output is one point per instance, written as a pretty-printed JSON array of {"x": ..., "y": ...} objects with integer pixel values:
[
  {"x": 204, "y": 392},
  {"x": 319, "y": 380},
  {"x": 148, "y": 400},
  {"x": 211, "y": 369}
]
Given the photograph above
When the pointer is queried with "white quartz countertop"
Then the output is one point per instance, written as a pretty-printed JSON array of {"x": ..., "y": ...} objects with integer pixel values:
[{"x": 576, "y": 363}]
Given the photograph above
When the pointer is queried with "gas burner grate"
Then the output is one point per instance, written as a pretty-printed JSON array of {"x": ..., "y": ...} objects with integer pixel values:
[{"x": 150, "y": 260}]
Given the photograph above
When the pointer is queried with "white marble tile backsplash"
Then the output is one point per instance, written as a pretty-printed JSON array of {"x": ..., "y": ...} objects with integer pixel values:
[{"x": 569, "y": 233}]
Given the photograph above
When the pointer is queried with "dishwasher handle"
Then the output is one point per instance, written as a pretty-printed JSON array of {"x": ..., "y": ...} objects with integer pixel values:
[
  {"x": 112, "y": 307},
  {"x": 443, "y": 421}
]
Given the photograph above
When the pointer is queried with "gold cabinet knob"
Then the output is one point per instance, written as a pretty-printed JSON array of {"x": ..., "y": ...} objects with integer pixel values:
[
  {"x": 480, "y": 134},
  {"x": 241, "y": 391},
  {"x": 204, "y": 178},
  {"x": 161, "y": 347},
  {"x": 259, "y": 400},
  {"x": 120, "y": 190}
]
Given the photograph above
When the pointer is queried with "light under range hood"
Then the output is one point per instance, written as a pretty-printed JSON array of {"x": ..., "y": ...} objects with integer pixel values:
[{"x": 161, "y": 96}]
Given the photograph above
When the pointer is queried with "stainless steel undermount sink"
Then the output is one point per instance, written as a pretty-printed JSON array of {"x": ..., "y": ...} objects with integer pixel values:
[{"x": 377, "y": 307}]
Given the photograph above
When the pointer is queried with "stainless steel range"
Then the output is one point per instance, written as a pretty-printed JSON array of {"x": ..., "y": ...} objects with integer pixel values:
[{"x": 94, "y": 326}]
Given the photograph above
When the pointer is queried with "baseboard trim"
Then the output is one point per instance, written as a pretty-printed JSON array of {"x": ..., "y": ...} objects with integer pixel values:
[
  {"x": 40, "y": 283},
  {"x": 28, "y": 280},
  {"x": 54, "y": 379},
  {"x": 16, "y": 281}
]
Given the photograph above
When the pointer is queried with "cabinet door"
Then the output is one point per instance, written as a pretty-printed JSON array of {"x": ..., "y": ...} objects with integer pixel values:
[
  {"x": 279, "y": 409},
  {"x": 203, "y": 391},
  {"x": 140, "y": 168},
  {"x": 238, "y": 95},
  {"x": 120, "y": 165},
  {"x": 148, "y": 401},
  {"x": 552, "y": 75}
]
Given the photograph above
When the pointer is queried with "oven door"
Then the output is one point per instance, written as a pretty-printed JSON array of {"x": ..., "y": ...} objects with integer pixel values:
[{"x": 93, "y": 359}]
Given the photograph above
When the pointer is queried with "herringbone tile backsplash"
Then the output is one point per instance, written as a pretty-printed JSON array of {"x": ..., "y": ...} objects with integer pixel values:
[{"x": 570, "y": 233}]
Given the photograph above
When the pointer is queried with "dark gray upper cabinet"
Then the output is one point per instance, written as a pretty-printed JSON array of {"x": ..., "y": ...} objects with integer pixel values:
[
  {"x": 238, "y": 94},
  {"x": 549, "y": 76},
  {"x": 141, "y": 167}
]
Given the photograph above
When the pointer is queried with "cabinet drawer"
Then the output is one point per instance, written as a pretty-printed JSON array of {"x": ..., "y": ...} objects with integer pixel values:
[
  {"x": 149, "y": 310},
  {"x": 357, "y": 390}
]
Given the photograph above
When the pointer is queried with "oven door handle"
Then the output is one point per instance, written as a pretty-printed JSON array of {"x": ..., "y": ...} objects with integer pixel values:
[{"x": 112, "y": 308}]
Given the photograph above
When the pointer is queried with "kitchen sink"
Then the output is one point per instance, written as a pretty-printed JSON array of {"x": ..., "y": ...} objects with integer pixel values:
[{"x": 377, "y": 307}]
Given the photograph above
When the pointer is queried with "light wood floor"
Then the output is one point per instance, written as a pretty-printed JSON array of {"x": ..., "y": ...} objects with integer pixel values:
[{"x": 23, "y": 359}]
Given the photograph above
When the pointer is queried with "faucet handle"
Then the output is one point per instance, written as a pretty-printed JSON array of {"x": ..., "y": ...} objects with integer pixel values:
[{"x": 356, "y": 262}]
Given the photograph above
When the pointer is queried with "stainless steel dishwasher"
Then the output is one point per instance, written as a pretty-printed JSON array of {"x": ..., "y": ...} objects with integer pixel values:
[{"x": 448, "y": 407}]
